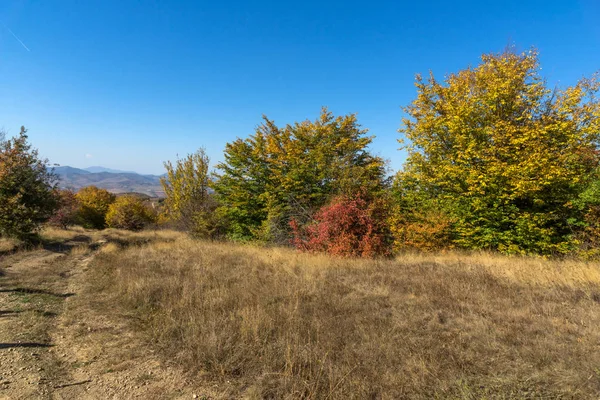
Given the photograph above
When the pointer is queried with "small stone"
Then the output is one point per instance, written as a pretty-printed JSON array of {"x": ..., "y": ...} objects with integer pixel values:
[{"x": 195, "y": 396}]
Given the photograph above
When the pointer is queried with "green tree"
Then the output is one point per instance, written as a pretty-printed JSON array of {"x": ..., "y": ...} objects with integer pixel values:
[
  {"x": 129, "y": 212},
  {"x": 93, "y": 206},
  {"x": 27, "y": 197},
  {"x": 282, "y": 173},
  {"x": 503, "y": 155}
]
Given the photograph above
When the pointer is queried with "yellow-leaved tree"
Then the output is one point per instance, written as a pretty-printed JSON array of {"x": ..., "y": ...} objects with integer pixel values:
[
  {"x": 501, "y": 155},
  {"x": 93, "y": 206},
  {"x": 129, "y": 212},
  {"x": 188, "y": 202}
]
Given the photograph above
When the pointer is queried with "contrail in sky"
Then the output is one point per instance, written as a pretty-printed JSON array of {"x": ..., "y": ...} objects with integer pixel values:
[{"x": 16, "y": 37}]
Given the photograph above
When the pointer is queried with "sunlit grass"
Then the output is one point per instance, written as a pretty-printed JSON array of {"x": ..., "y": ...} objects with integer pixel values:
[{"x": 276, "y": 323}]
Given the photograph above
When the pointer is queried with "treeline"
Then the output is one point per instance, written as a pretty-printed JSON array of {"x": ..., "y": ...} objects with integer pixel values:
[
  {"x": 29, "y": 197},
  {"x": 497, "y": 160}
]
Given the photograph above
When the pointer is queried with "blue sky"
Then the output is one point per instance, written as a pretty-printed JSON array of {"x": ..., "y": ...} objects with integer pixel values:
[{"x": 129, "y": 84}]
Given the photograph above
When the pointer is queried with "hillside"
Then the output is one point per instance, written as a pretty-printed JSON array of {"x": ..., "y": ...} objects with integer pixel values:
[
  {"x": 116, "y": 182},
  {"x": 153, "y": 315}
]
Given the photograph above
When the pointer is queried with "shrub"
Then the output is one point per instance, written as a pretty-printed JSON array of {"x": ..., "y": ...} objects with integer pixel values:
[
  {"x": 129, "y": 212},
  {"x": 66, "y": 213},
  {"x": 27, "y": 197},
  {"x": 426, "y": 230},
  {"x": 188, "y": 204},
  {"x": 93, "y": 206},
  {"x": 348, "y": 226}
]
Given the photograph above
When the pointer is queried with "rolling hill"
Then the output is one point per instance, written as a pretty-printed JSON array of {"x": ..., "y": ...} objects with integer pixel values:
[{"x": 115, "y": 182}]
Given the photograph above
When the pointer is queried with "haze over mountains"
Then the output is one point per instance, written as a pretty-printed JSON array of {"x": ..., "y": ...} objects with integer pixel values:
[{"x": 113, "y": 180}]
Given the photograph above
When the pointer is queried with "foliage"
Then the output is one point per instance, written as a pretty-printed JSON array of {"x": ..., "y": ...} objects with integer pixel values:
[
  {"x": 502, "y": 154},
  {"x": 425, "y": 229},
  {"x": 27, "y": 197},
  {"x": 93, "y": 206},
  {"x": 129, "y": 212},
  {"x": 416, "y": 220},
  {"x": 348, "y": 226},
  {"x": 67, "y": 211},
  {"x": 588, "y": 235},
  {"x": 188, "y": 203},
  {"x": 282, "y": 173}
]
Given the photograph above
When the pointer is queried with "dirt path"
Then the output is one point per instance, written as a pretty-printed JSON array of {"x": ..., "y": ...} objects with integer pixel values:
[{"x": 53, "y": 345}]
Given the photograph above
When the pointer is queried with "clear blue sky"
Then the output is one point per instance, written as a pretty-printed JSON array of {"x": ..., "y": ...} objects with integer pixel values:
[{"x": 129, "y": 84}]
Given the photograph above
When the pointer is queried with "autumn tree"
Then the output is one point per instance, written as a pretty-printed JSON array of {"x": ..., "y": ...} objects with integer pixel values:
[
  {"x": 416, "y": 220},
  {"x": 280, "y": 173},
  {"x": 93, "y": 206},
  {"x": 588, "y": 235},
  {"x": 129, "y": 212},
  {"x": 67, "y": 211},
  {"x": 27, "y": 186},
  {"x": 502, "y": 155},
  {"x": 188, "y": 201}
]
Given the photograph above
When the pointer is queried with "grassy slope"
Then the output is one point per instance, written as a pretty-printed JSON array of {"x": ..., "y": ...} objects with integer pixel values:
[{"x": 272, "y": 323}]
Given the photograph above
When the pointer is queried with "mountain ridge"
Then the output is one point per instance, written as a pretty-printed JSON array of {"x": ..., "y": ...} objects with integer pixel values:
[
  {"x": 115, "y": 182},
  {"x": 97, "y": 168}
]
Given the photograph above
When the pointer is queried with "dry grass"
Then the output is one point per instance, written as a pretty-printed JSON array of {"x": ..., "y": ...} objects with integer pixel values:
[
  {"x": 50, "y": 233},
  {"x": 7, "y": 245},
  {"x": 272, "y": 323}
]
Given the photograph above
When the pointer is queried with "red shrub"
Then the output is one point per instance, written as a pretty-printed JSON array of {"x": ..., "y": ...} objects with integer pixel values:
[
  {"x": 66, "y": 214},
  {"x": 348, "y": 226}
]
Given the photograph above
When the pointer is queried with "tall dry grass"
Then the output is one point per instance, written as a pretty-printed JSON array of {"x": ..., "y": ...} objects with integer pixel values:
[{"x": 273, "y": 323}]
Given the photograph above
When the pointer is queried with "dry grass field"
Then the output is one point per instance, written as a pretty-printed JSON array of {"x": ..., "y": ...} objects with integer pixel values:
[{"x": 273, "y": 323}]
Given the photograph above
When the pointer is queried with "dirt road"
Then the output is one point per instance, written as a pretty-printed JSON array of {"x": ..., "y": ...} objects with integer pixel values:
[{"x": 53, "y": 345}]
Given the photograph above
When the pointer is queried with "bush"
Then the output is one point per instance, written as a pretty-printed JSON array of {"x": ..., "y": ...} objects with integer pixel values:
[
  {"x": 93, "y": 206},
  {"x": 27, "y": 196},
  {"x": 129, "y": 212},
  {"x": 66, "y": 213},
  {"x": 425, "y": 230},
  {"x": 348, "y": 226}
]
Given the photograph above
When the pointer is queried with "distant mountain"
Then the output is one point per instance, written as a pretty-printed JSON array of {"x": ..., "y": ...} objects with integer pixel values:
[
  {"x": 97, "y": 169},
  {"x": 115, "y": 182},
  {"x": 67, "y": 171}
]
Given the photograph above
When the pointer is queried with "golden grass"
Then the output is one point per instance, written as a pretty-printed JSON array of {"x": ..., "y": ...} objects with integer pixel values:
[
  {"x": 8, "y": 245},
  {"x": 51, "y": 233},
  {"x": 79, "y": 250},
  {"x": 273, "y": 323},
  {"x": 537, "y": 271},
  {"x": 110, "y": 248}
]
